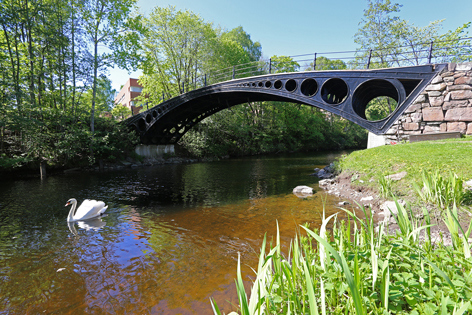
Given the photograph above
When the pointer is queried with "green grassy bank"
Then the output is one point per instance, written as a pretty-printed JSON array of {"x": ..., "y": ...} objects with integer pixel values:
[{"x": 369, "y": 167}]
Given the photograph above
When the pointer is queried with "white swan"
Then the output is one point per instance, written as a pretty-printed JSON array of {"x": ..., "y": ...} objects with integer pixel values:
[{"x": 87, "y": 210}]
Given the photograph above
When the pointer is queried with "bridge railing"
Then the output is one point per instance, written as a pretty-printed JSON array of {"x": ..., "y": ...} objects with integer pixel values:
[{"x": 457, "y": 50}]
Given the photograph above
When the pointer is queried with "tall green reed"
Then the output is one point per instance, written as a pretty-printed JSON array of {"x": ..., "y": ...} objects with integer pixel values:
[
  {"x": 439, "y": 190},
  {"x": 354, "y": 268},
  {"x": 385, "y": 185}
]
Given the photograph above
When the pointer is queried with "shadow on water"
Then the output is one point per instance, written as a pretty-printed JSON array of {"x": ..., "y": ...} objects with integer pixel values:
[{"x": 169, "y": 241}]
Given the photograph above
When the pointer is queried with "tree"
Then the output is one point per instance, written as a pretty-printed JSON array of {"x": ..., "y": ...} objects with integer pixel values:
[
  {"x": 177, "y": 46},
  {"x": 238, "y": 35},
  {"x": 120, "y": 112},
  {"x": 323, "y": 63},
  {"x": 180, "y": 49},
  {"x": 104, "y": 22},
  {"x": 282, "y": 64},
  {"x": 388, "y": 40},
  {"x": 104, "y": 96},
  {"x": 46, "y": 70},
  {"x": 379, "y": 31}
]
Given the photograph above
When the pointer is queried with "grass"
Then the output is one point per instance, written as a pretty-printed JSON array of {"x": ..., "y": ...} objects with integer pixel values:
[
  {"x": 448, "y": 156},
  {"x": 441, "y": 190},
  {"x": 359, "y": 269}
]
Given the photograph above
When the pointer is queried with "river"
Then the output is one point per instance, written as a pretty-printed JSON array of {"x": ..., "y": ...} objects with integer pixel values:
[{"x": 168, "y": 242}]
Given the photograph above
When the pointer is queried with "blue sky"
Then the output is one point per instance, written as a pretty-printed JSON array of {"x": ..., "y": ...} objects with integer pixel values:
[{"x": 292, "y": 27}]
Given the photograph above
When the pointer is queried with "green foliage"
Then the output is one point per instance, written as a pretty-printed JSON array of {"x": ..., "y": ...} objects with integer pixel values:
[
  {"x": 441, "y": 191},
  {"x": 50, "y": 81},
  {"x": 8, "y": 163},
  {"x": 104, "y": 98},
  {"x": 268, "y": 127},
  {"x": 385, "y": 187},
  {"x": 358, "y": 269},
  {"x": 112, "y": 141},
  {"x": 380, "y": 108},
  {"x": 177, "y": 47},
  {"x": 238, "y": 35},
  {"x": 396, "y": 42},
  {"x": 323, "y": 63},
  {"x": 282, "y": 64},
  {"x": 120, "y": 112}
]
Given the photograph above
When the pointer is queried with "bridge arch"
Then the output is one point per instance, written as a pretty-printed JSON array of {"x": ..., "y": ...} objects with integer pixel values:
[{"x": 343, "y": 92}]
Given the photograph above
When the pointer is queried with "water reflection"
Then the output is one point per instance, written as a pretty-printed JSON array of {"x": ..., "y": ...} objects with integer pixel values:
[
  {"x": 91, "y": 224},
  {"x": 170, "y": 239}
]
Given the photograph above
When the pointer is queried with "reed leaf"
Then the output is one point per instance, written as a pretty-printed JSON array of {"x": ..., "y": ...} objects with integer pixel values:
[
  {"x": 215, "y": 308},
  {"x": 310, "y": 291},
  {"x": 347, "y": 273},
  {"x": 462, "y": 309},
  {"x": 385, "y": 285}
]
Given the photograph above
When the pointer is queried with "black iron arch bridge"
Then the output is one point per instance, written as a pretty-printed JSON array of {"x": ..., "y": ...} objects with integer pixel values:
[{"x": 342, "y": 92}]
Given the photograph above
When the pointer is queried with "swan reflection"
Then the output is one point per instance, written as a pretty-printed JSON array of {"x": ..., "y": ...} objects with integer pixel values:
[{"x": 91, "y": 224}]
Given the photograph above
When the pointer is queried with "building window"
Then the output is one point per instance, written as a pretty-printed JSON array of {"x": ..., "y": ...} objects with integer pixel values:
[{"x": 135, "y": 89}]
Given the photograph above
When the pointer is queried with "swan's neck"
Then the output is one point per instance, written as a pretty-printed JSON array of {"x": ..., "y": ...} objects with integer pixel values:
[{"x": 70, "y": 217}]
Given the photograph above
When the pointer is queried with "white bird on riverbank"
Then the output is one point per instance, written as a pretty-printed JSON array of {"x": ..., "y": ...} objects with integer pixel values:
[{"x": 87, "y": 210}]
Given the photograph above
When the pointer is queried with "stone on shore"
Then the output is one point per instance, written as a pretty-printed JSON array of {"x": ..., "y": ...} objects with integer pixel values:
[
  {"x": 326, "y": 182},
  {"x": 389, "y": 209},
  {"x": 303, "y": 191},
  {"x": 397, "y": 176}
]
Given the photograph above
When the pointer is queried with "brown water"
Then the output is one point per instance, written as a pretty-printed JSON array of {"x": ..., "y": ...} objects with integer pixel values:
[{"x": 169, "y": 242}]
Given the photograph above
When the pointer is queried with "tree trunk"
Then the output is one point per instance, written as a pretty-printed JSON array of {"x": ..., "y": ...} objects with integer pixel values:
[
  {"x": 2, "y": 132},
  {"x": 94, "y": 87},
  {"x": 73, "y": 57},
  {"x": 42, "y": 169}
]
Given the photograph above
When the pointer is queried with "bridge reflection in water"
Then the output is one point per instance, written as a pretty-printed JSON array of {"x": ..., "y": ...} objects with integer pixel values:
[{"x": 342, "y": 92}]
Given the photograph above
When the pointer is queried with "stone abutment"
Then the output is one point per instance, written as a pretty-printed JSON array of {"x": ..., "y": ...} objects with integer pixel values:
[{"x": 444, "y": 106}]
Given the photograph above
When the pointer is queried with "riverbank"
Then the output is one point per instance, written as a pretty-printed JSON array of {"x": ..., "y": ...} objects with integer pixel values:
[
  {"x": 375, "y": 177},
  {"x": 415, "y": 261},
  {"x": 129, "y": 162}
]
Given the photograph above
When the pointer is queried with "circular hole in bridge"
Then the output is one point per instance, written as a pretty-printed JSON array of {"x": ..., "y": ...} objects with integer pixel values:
[
  {"x": 154, "y": 113},
  {"x": 375, "y": 99},
  {"x": 148, "y": 118},
  {"x": 253, "y": 84},
  {"x": 334, "y": 91},
  {"x": 278, "y": 84},
  {"x": 268, "y": 84},
  {"x": 309, "y": 87},
  {"x": 260, "y": 84},
  {"x": 291, "y": 85}
]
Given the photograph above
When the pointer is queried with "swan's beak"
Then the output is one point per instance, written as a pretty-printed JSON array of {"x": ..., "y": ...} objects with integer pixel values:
[{"x": 68, "y": 203}]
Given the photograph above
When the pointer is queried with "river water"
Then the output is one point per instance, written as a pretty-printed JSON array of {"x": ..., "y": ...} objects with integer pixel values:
[{"x": 168, "y": 242}]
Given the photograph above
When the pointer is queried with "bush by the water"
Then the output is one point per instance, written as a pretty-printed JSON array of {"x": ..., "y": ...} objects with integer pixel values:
[{"x": 65, "y": 141}]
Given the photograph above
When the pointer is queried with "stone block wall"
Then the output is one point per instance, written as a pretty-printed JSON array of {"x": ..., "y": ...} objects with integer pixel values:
[{"x": 445, "y": 105}]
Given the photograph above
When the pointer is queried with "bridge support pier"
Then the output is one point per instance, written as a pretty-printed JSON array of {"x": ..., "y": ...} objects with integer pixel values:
[
  {"x": 153, "y": 151},
  {"x": 374, "y": 140}
]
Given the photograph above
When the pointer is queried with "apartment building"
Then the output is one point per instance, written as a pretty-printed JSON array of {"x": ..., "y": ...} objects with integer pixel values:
[{"x": 127, "y": 95}]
